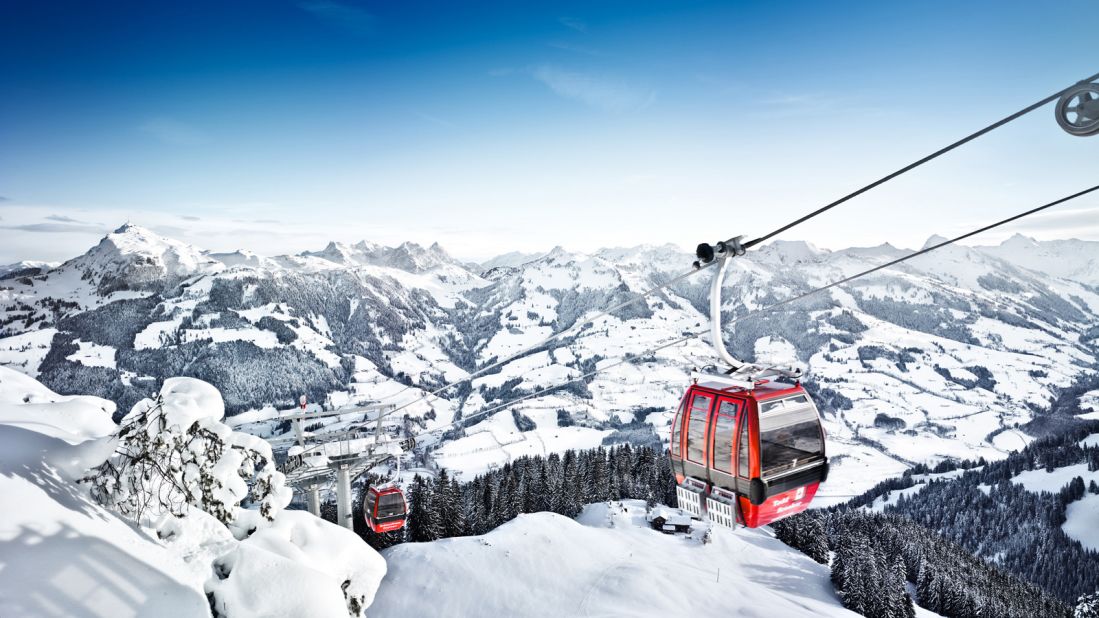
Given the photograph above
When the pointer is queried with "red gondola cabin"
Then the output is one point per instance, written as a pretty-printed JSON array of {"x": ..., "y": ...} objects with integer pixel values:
[
  {"x": 752, "y": 456},
  {"x": 384, "y": 509}
]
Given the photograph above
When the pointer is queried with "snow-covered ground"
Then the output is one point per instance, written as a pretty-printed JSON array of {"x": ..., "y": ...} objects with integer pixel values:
[
  {"x": 62, "y": 554},
  {"x": 921, "y": 481},
  {"x": 608, "y": 562},
  {"x": 1082, "y": 521},
  {"x": 1090, "y": 401},
  {"x": 1081, "y": 516},
  {"x": 1041, "y": 480}
]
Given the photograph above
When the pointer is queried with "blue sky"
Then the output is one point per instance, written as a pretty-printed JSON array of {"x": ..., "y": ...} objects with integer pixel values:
[{"x": 276, "y": 126}]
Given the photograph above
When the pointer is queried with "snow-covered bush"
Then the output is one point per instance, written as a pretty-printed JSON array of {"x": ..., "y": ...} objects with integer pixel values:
[
  {"x": 174, "y": 453},
  {"x": 1087, "y": 606}
]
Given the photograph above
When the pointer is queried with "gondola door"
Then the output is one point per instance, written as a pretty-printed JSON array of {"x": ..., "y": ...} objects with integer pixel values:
[
  {"x": 696, "y": 424},
  {"x": 675, "y": 439},
  {"x": 722, "y": 442},
  {"x": 745, "y": 455}
]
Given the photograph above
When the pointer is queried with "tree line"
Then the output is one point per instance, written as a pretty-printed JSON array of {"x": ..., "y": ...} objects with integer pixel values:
[
  {"x": 559, "y": 483},
  {"x": 987, "y": 513},
  {"x": 875, "y": 556}
]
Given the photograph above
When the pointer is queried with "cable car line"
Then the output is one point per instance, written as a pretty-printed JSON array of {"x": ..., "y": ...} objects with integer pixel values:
[
  {"x": 753, "y": 498},
  {"x": 771, "y": 307},
  {"x": 884, "y": 179},
  {"x": 744, "y": 246}
]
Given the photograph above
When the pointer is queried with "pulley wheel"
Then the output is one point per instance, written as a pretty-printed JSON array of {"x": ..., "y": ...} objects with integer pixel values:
[{"x": 1078, "y": 110}]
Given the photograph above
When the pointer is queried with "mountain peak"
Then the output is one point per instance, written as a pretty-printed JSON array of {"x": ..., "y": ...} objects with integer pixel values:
[
  {"x": 134, "y": 258},
  {"x": 934, "y": 240},
  {"x": 1017, "y": 240},
  {"x": 366, "y": 246},
  {"x": 438, "y": 250},
  {"x": 792, "y": 251}
]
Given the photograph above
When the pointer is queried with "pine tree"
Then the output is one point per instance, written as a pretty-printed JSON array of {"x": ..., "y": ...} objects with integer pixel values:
[
  {"x": 458, "y": 527},
  {"x": 442, "y": 505},
  {"x": 486, "y": 509},
  {"x": 571, "y": 488},
  {"x": 420, "y": 526}
]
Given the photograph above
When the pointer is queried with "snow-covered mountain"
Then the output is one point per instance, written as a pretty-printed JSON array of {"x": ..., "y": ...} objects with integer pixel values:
[
  {"x": 513, "y": 259},
  {"x": 945, "y": 356},
  {"x": 24, "y": 268},
  {"x": 1067, "y": 259}
]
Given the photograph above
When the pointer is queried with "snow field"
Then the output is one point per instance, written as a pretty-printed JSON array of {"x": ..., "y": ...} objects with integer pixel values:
[
  {"x": 1040, "y": 480},
  {"x": 25, "y": 352},
  {"x": 608, "y": 562},
  {"x": 1081, "y": 516},
  {"x": 1082, "y": 521}
]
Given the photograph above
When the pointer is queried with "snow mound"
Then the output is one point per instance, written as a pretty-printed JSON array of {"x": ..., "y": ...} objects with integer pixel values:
[
  {"x": 266, "y": 573},
  {"x": 608, "y": 562},
  {"x": 61, "y": 554},
  {"x": 187, "y": 400},
  {"x": 26, "y": 403}
]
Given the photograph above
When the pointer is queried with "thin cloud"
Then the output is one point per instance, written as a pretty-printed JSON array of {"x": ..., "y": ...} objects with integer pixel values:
[
  {"x": 189, "y": 218},
  {"x": 576, "y": 49},
  {"x": 58, "y": 228},
  {"x": 64, "y": 219},
  {"x": 170, "y": 231},
  {"x": 595, "y": 91},
  {"x": 4, "y": 199},
  {"x": 573, "y": 23},
  {"x": 346, "y": 17},
  {"x": 435, "y": 120},
  {"x": 173, "y": 132},
  {"x": 1067, "y": 222},
  {"x": 812, "y": 105}
]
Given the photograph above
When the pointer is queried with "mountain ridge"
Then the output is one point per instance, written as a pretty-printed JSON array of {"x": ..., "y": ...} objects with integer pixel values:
[{"x": 938, "y": 357}]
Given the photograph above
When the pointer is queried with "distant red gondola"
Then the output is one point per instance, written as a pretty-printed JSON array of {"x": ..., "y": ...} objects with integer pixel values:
[{"x": 384, "y": 509}]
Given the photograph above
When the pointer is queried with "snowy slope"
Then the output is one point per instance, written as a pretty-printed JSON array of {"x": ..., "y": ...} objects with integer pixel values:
[
  {"x": 1053, "y": 481},
  {"x": 1081, "y": 516},
  {"x": 61, "y": 554},
  {"x": 26, "y": 267},
  {"x": 608, "y": 562},
  {"x": 1082, "y": 521}
]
